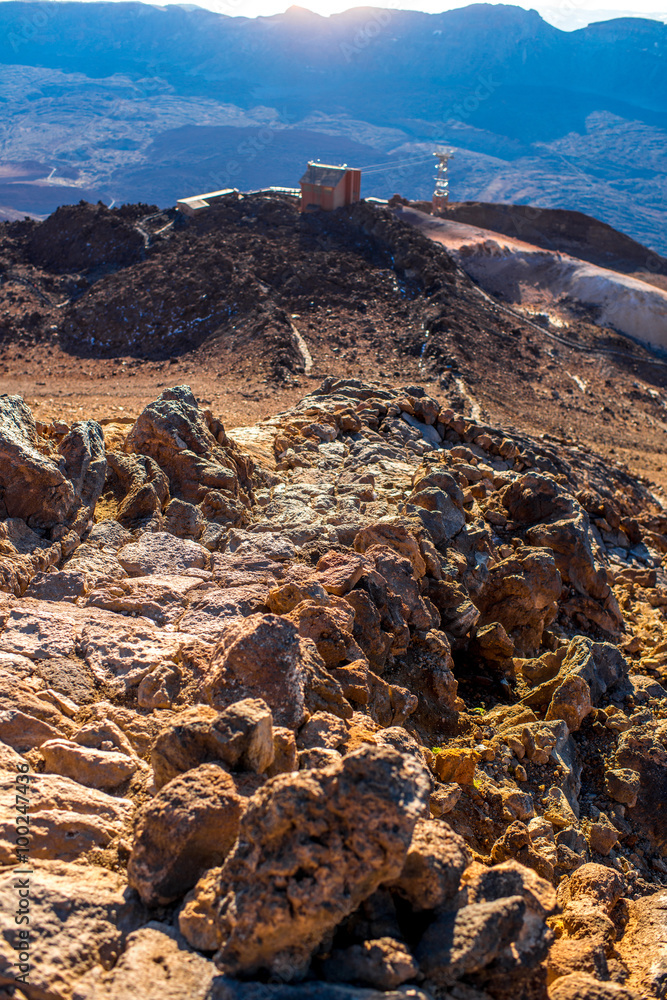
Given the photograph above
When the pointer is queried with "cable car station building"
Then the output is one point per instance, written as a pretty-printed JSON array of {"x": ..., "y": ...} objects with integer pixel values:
[{"x": 327, "y": 187}]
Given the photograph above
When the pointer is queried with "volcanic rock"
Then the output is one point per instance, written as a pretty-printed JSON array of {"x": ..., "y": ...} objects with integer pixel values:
[
  {"x": 433, "y": 867},
  {"x": 190, "y": 825},
  {"x": 623, "y": 785},
  {"x": 571, "y": 702},
  {"x": 80, "y": 917},
  {"x": 582, "y": 986},
  {"x": 156, "y": 965},
  {"x": 467, "y": 940},
  {"x": 384, "y": 964},
  {"x": 121, "y": 655},
  {"x": 602, "y": 835},
  {"x": 175, "y": 433},
  {"x": 265, "y": 657},
  {"x": 396, "y": 536},
  {"x": 531, "y": 946},
  {"x": 81, "y": 237},
  {"x": 521, "y": 593},
  {"x": 241, "y": 736},
  {"x": 642, "y": 750},
  {"x": 66, "y": 819},
  {"x": 24, "y": 732},
  {"x": 338, "y": 573},
  {"x": 197, "y": 916},
  {"x": 90, "y": 767},
  {"x": 141, "y": 487},
  {"x": 161, "y": 553},
  {"x": 33, "y": 486},
  {"x": 297, "y": 635},
  {"x": 311, "y": 847},
  {"x": 228, "y": 989}
]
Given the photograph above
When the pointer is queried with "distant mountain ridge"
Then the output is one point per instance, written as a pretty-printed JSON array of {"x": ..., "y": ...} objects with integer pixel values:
[
  {"x": 574, "y": 120},
  {"x": 199, "y": 52}
]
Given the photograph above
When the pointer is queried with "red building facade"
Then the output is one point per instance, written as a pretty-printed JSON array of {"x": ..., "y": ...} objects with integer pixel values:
[{"x": 327, "y": 187}]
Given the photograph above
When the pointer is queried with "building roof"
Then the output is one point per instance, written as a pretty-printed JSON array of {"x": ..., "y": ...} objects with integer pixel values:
[{"x": 324, "y": 174}]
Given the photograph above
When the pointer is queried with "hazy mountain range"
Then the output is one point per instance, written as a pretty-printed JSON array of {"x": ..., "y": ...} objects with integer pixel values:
[{"x": 128, "y": 102}]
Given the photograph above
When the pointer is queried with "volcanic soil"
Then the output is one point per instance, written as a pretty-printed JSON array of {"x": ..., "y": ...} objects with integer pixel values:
[{"x": 253, "y": 304}]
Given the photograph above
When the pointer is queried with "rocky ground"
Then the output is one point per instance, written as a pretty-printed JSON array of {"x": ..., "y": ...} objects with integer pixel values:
[
  {"x": 362, "y": 701},
  {"x": 254, "y": 304}
]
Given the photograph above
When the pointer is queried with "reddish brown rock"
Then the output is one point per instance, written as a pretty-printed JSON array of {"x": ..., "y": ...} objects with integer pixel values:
[
  {"x": 555, "y": 520},
  {"x": 521, "y": 593},
  {"x": 80, "y": 915},
  {"x": 571, "y": 702},
  {"x": 327, "y": 629},
  {"x": 367, "y": 629},
  {"x": 285, "y": 752},
  {"x": 602, "y": 835},
  {"x": 601, "y": 884},
  {"x": 322, "y": 730},
  {"x": 643, "y": 947},
  {"x": 583, "y": 986},
  {"x": 641, "y": 749},
  {"x": 160, "y": 687},
  {"x": 515, "y": 845},
  {"x": 143, "y": 486},
  {"x": 623, "y": 785},
  {"x": 456, "y": 764},
  {"x": 433, "y": 867},
  {"x": 87, "y": 765},
  {"x": 158, "y": 553},
  {"x": 264, "y": 656},
  {"x": 47, "y": 491},
  {"x": 384, "y": 964},
  {"x": 241, "y": 737},
  {"x": 155, "y": 965},
  {"x": 196, "y": 918},
  {"x": 23, "y": 732},
  {"x": 66, "y": 819},
  {"x": 176, "y": 434},
  {"x": 338, "y": 572},
  {"x": 190, "y": 825},
  {"x": 212, "y": 612},
  {"x": 396, "y": 536},
  {"x": 281, "y": 600},
  {"x": 458, "y": 615},
  {"x": 389, "y": 704},
  {"x": 467, "y": 940},
  {"x": 311, "y": 847},
  {"x": 493, "y": 645},
  {"x": 354, "y": 681},
  {"x": 399, "y": 575}
]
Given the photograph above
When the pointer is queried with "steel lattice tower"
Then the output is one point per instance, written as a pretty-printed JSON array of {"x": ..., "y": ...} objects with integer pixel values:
[{"x": 441, "y": 193}]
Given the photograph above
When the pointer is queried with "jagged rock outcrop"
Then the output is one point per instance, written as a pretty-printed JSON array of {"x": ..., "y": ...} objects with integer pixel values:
[
  {"x": 351, "y": 717},
  {"x": 311, "y": 848},
  {"x": 194, "y": 453},
  {"x": 47, "y": 495}
]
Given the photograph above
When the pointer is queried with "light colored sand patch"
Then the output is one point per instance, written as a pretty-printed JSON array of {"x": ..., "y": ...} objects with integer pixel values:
[{"x": 528, "y": 275}]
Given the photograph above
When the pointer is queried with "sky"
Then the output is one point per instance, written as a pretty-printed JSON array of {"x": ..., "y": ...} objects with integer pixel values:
[{"x": 564, "y": 14}]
